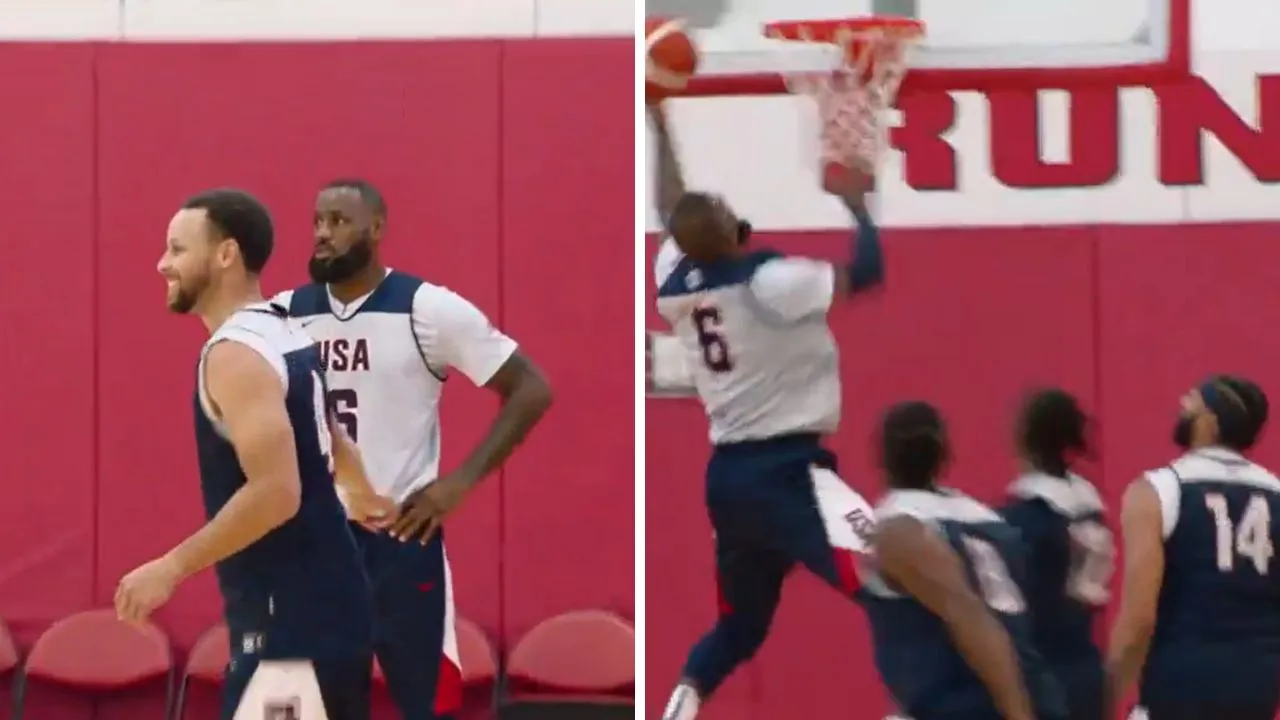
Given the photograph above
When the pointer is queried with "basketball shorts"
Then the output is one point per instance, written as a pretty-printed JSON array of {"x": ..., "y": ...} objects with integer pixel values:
[
  {"x": 775, "y": 504},
  {"x": 414, "y": 637},
  {"x": 335, "y": 689}
]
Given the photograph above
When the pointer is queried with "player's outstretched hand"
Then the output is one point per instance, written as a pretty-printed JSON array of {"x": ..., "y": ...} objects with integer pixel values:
[
  {"x": 146, "y": 589},
  {"x": 424, "y": 511}
]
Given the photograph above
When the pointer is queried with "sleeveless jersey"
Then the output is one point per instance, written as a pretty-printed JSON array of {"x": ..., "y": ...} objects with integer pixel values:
[
  {"x": 1071, "y": 558},
  {"x": 917, "y": 660},
  {"x": 753, "y": 329},
  {"x": 387, "y": 355},
  {"x": 1217, "y": 635},
  {"x": 301, "y": 591}
]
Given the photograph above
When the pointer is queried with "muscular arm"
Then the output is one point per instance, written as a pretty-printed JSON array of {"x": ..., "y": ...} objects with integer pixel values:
[
  {"x": 1141, "y": 525},
  {"x": 250, "y": 400},
  {"x": 669, "y": 178},
  {"x": 928, "y": 569},
  {"x": 865, "y": 269},
  {"x": 524, "y": 396}
]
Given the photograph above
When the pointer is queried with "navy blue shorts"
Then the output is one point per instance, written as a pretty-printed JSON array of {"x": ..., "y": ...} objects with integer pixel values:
[
  {"x": 344, "y": 685},
  {"x": 414, "y": 636},
  {"x": 775, "y": 503}
]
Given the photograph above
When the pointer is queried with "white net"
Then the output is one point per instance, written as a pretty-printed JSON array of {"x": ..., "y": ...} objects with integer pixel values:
[{"x": 852, "y": 98}]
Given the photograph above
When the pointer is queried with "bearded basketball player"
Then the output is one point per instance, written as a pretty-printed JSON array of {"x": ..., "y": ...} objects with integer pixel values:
[
  {"x": 298, "y": 603},
  {"x": 389, "y": 341}
]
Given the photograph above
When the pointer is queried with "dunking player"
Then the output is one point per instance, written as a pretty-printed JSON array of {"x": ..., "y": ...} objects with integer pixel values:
[
  {"x": 752, "y": 324},
  {"x": 389, "y": 339},
  {"x": 1070, "y": 550},
  {"x": 289, "y": 571},
  {"x": 1199, "y": 613},
  {"x": 944, "y": 590}
]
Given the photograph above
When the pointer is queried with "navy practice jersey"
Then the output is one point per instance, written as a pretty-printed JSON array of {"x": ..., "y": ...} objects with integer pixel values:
[
  {"x": 1070, "y": 561},
  {"x": 387, "y": 355},
  {"x": 300, "y": 591},
  {"x": 753, "y": 331},
  {"x": 914, "y": 652},
  {"x": 1217, "y": 636}
]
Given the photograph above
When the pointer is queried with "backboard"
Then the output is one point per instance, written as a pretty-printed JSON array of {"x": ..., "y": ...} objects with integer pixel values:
[{"x": 970, "y": 44}]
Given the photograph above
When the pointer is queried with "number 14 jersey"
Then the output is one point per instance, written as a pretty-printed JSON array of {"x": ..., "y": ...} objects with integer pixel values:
[
  {"x": 1217, "y": 635},
  {"x": 386, "y": 357},
  {"x": 754, "y": 328}
]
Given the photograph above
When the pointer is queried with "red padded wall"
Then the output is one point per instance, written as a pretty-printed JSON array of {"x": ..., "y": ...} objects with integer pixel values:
[
  {"x": 497, "y": 188},
  {"x": 1127, "y": 317}
]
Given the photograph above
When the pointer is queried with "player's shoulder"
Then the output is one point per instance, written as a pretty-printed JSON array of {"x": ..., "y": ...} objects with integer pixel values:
[
  {"x": 935, "y": 506},
  {"x": 1217, "y": 466},
  {"x": 1072, "y": 496},
  {"x": 687, "y": 276}
]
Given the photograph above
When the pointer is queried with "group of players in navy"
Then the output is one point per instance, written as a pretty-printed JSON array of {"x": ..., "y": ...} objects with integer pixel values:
[
  {"x": 324, "y": 512},
  {"x": 976, "y": 612}
]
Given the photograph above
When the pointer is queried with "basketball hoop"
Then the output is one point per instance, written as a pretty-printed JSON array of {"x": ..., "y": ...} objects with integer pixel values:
[{"x": 852, "y": 98}]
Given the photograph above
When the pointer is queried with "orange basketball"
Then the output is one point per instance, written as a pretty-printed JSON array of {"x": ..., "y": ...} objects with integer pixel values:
[{"x": 672, "y": 58}]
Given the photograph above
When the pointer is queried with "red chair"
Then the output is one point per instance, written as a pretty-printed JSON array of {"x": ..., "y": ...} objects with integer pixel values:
[
  {"x": 92, "y": 659},
  {"x": 584, "y": 657},
  {"x": 201, "y": 684}
]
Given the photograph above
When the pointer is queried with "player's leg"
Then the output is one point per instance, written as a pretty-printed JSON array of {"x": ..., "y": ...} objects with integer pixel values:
[
  {"x": 415, "y": 642},
  {"x": 293, "y": 690},
  {"x": 823, "y": 524},
  {"x": 749, "y": 584}
]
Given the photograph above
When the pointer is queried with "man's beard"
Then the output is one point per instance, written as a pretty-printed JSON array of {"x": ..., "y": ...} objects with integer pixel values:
[
  {"x": 341, "y": 268},
  {"x": 1182, "y": 431},
  {"x": 187, "y": 297}
]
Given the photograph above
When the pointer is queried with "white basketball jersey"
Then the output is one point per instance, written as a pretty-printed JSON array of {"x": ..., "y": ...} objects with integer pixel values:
[
  {"x": 387, "y": 355},
  {"x": 754, "y": 331}
]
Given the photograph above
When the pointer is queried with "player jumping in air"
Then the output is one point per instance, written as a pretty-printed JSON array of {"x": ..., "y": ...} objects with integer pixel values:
[
  {"x": 1070, "y": 550},
  {"x": 390, "y": 339},
  {"x": 297, "y": 600},
  {"x": 1199, "y": 617},
  {"x": 944, "y": 590},
  {"x": 753, "y": 328}
]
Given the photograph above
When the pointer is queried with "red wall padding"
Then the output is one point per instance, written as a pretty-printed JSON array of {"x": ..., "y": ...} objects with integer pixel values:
[
  {"x": 500, "y": 186},
  {"x": 1127, "y": 317}
]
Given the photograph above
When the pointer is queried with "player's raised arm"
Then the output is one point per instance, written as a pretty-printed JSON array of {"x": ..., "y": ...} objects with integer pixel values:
[
  {"x": 865, "y": 268},
  {"x": 1142, "y": 526},
  {"x": 669, "y": 177},
  {"x": 929, "y": 570},
  {"x": 249, "y": 398}
]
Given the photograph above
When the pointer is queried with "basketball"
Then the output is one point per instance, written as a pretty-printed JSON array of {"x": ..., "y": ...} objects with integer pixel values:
[{"x": 671, "y": 58}]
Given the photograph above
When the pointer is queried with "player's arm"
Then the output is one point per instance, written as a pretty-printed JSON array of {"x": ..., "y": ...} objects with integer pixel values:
[
  {"x": 249, "y": 397},
  {"x": 1142, "y": 523},
  {"x": 669, "y": 177},
  {"x": 459, "y": 335},
  {"x": 348, "y": 468},
  {"x": 865, "y": 268},
  {"x": 929, "y": 570}
]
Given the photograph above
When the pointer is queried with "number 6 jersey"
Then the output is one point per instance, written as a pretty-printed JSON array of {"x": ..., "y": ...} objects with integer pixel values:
[
  {"x": 1217, "y": 635},
  {"x": 753, "y": 329},
  {"x": 386, "y": 356}
]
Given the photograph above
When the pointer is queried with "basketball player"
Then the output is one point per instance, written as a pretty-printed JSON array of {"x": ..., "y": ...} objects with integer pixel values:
[
  {"x": 390, "y": 339},
  {"x": 753, "y": 328},
  {"x": 1070, "y": 551},
  {"x": 944, "y": 590},
  {"x": 298, "y": 602},
  {"x": 1199, "y": 617}
]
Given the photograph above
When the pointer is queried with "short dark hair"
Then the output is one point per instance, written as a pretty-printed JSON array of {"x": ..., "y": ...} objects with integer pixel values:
[
  {"x": 237, "y": 215},
  {"x": 1250, "y": 398},
  {"x": 913, "y": 444},
  {"x": 369, "y": 194},
  {"x": 1052, "y": 427}
]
